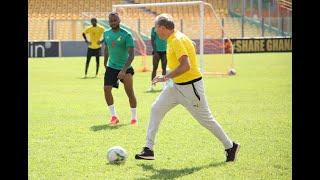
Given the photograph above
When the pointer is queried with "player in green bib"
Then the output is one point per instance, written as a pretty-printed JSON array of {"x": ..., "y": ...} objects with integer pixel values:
[
  {"x": 159, "y": 47},
  {"x": 119, "y": 54}
]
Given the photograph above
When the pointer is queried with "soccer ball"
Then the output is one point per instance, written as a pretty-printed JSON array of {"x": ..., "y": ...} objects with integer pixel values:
[
  {"x": 116, "y": 155},
  {"x": 232, "y": 72}
]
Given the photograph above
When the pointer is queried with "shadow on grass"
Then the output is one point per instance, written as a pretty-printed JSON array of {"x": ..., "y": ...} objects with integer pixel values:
[
  {"x": 154, "y": 91},
  {"x": 175, "y": 173},
  {"x": 106, "y": 126},
  {"x": 88, "y": 77}
]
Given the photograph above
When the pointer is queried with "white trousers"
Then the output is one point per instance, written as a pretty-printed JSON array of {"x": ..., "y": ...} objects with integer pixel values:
[{"x": 192, "y": 97}]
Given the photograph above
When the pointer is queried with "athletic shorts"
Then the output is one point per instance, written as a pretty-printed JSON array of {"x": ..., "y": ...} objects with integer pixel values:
[
  {"x": 94, "y": 52},
  {"x": 111, "y": 79},
  {"x": 162, "y": 54}
]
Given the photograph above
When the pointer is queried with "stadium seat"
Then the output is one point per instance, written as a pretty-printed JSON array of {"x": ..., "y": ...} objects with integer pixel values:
[{"x": 73, "y": 11}]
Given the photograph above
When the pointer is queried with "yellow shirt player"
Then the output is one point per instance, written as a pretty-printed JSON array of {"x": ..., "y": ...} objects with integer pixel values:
[
  {"x": 187, "y": 90},
  {"x": 180, "y": 45},
  {"x": 95, "y": 32}
]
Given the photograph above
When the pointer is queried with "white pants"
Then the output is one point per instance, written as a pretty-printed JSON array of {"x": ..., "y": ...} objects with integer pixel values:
[{"x": 192, "y": 97}]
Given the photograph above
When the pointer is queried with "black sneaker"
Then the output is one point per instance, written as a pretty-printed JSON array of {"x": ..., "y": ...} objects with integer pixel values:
[
  {"x": 232, "y": 152},
  {"x": 145, "y": 154}
]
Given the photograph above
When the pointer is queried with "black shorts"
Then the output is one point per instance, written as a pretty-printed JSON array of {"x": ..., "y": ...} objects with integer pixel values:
[
  {"x": 162, "y": 54},
  {"x": 94, "y": 52},
  {"x": 110, "y": 76}
]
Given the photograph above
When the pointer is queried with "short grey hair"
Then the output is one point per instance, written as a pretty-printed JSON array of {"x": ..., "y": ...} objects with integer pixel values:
[{"x": 165, "y": 20}]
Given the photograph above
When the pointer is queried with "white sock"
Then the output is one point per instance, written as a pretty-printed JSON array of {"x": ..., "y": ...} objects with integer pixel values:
[
  {"x": 134, "y": 113},
  {"x": 112, "y": 110}
]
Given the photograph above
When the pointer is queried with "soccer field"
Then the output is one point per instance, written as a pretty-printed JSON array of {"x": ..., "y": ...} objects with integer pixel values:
[{"x": 68, "y": 135}]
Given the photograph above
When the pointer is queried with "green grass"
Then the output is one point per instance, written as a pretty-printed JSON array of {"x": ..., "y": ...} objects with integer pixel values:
[{"x": 68, "y": 136}]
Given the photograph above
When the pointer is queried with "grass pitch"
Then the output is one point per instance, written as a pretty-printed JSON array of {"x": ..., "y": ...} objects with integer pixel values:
[{"x": 68, "y": 134}]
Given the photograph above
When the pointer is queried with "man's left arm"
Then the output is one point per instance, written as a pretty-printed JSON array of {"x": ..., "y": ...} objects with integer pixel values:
[
  {"x": 100, "y": 42},
  {"x": 130, "y": 59},
  {"x": 130, "y": 45},
  {"x": 128, "y": 63}
]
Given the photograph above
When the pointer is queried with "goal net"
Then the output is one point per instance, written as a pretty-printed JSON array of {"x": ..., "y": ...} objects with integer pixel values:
[{"x": 196, "y": 19}]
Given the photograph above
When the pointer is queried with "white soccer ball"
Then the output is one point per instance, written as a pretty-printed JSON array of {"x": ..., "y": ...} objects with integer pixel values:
[
  {"x": 116, "y": 155},
  {"x": 232, "y": 72}
]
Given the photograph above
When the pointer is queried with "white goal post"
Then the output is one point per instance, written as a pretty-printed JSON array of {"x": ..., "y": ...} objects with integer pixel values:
[{"x": 200, "y": 4}]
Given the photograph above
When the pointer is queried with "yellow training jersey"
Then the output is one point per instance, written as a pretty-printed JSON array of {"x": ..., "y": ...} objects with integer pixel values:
[
  {"x": 95, "y": 34},
  {"x": 178, "y": 44}
]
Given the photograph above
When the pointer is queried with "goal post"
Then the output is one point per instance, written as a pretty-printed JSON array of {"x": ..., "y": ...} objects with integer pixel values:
[{"x": 209, "y": 35}]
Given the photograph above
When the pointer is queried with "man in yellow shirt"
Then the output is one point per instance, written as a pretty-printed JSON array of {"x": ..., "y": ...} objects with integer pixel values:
[
  {"x": 95, "y": 32},
  {"x": 186, "y": 90}
]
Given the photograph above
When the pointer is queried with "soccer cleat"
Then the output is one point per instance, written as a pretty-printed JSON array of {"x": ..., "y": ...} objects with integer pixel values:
[
  {"x": 146, "y": 154},
  {"x": 133, "y": 121},
  {"x": 114, "y": 120},
  {"x": 232, "y": 152}
]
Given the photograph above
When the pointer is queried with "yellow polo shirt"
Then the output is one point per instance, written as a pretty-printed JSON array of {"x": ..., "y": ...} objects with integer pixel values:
[
  {"x": 95, "y": 34},
  {"x": 178, "y": 44}
]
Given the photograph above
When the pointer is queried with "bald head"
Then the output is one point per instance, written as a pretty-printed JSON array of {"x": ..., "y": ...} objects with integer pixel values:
[
  {"x": 93, "y": 21},
  {"x": 114, "y": 14},
  {"x": 114, "y": 20}
]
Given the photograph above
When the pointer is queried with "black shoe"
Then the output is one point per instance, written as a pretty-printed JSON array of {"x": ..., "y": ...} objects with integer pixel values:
[
  {"x": 232, "y": 152},
  {"x": 145, "y": 154}
]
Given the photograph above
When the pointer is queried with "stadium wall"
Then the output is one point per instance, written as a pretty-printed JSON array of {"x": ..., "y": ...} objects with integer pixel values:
[
  {"x": 73, "y": 48},
  {"x": 79, "y": 48},
  {"x": 44, "y": 48},
  {"x": 260, "y": 45}
]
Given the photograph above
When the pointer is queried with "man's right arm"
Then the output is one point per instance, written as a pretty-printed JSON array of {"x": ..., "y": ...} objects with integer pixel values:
[
  {"x": 155, "y": 53},
  {"x": 183, "y": 67},
  {"x": 153, "y": 43},
  {"x": 85, "y": 38}
]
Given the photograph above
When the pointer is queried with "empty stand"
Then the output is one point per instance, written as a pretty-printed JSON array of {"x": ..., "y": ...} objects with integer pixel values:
[{"x": 68, "y": 16}]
